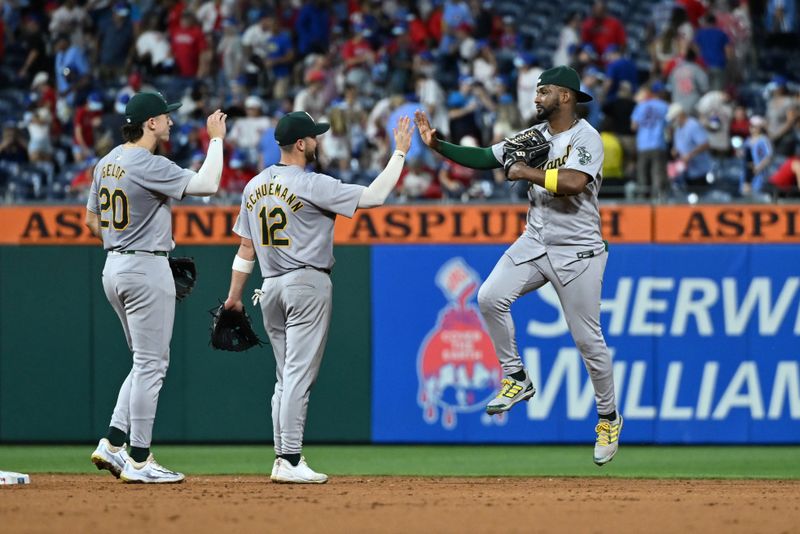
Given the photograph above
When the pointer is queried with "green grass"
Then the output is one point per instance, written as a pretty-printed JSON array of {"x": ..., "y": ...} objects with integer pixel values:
[{"x": 632, "y": 461}]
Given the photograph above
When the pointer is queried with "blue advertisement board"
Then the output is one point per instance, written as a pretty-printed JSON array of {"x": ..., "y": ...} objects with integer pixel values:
[{"x": 705, "y": 341}]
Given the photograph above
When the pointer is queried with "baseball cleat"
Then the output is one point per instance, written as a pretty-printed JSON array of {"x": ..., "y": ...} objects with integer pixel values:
[
  {"x": 110, "y": 458},
  {"x": 149, "y": 472},
  {"x": 607, "y": 440},
  {"x": 299, "y": 474},
  {"x": 275, "y": 467},
  {"x": 511, "y": 392}
]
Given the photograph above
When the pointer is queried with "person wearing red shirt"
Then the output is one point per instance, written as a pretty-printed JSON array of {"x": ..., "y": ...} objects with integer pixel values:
[
  {"x": 601, "y": 30},
  {"x": 87, "y": 118},
  {"x": 417, "y": 32},
  {"x": 189, "y": 47},
  {"x": 694, "y": 10}
]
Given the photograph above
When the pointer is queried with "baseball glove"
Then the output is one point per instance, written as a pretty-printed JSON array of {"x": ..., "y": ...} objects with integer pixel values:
[
  {"x": 231, "y": 330},
  {"x": 530, "y": 147},
  {"x": 184, "y": 272}
]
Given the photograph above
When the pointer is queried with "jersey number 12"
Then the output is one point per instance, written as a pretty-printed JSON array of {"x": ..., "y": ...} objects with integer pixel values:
[{"x": 270, "y": 226}]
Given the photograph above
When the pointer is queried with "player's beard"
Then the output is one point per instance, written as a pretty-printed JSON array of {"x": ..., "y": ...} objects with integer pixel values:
[
  {"x": 547, "y": 112},
  {"x": 310, "y": 154}
]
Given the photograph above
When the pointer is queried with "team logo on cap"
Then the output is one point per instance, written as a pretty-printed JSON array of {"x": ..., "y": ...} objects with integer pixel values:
[{"x": 457, "y": 368}]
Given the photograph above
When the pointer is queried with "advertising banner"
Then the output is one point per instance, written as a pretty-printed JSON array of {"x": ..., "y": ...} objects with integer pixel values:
[{"x": 705, "y": 342}]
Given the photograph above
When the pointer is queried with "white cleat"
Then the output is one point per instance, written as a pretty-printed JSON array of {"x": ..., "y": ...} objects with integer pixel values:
[
  {"x": 149, "y": 472},
  {"x": 275, "y": 467},
  {"x": 607, "y": 443},
  {"x": 110, "y": 458},
  {"x": 299, "y": 474}
]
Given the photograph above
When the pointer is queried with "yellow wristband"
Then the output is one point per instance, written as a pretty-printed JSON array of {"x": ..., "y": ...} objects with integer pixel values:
[{"x": 551, "y": 180}]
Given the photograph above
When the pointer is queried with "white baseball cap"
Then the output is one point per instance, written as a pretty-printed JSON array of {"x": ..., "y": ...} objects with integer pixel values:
[
  {"x": 253, "y": 101},
  {"x": 674, "y": 110}
]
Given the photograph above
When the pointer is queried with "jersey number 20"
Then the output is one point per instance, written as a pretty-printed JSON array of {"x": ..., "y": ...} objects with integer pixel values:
[
  {"x": 271, "y": 225},
  {"x": 117, "y": 202}
]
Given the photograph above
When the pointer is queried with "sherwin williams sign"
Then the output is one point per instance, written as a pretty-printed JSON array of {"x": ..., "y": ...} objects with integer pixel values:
[{"x": 706, "y": 345}]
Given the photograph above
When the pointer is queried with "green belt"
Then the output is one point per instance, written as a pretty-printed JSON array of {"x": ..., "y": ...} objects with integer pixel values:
[{"x": 151, "y": 252}]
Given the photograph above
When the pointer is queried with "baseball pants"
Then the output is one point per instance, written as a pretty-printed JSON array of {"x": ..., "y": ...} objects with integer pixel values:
[
  {"x": 297, "y": 314},
  {"x": 580, "y": 300},
  {"x": 141, "y": 290}
]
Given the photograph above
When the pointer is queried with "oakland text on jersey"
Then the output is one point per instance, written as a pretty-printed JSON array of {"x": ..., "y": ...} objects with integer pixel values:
[
  {"x": 276, "y": 190},
  {"x": 558, "y": 162},
  {"x": 112, "y": 170}
]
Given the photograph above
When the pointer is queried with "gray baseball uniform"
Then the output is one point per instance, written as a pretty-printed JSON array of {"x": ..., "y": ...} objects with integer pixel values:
[
  {"x": 131, "y": 193},
  {"x": 561, "y": 244},
  {"x": 289, "y": 215}
]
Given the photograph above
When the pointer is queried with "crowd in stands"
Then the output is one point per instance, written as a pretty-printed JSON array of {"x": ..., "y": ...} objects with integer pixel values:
[{"x": 694, "y": 100}]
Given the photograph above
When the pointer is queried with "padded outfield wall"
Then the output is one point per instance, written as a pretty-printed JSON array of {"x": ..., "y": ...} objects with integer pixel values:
[{"x": 701, "y": 308}]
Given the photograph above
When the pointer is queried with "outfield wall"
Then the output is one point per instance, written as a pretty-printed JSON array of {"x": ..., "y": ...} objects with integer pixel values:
[{"x": 704, "y": 333}]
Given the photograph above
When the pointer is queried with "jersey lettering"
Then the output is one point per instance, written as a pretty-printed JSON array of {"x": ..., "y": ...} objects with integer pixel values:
[
  {"x": 273, "y": 189},
  {"x": 559, "y": 162},
  {"x": 270, "y": 226},
  {"x": 117, "y": 202}
]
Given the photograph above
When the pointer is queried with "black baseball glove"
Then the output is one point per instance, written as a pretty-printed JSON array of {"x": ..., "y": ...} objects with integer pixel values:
[
  {"x": 184, "y": 272},
  {"x": 529, "y": 147},
  {"x": 231, "y": 330}
]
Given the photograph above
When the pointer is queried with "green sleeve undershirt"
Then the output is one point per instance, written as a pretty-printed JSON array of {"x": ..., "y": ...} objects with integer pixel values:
[{"x": 473, "y": 157}]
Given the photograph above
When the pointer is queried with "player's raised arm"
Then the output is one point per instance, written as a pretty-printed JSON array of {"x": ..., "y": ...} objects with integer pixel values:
[
  {"x": 206, "y": 181},
  {"x": 472, "y": 157},
  {"x": 379, "y": 190}
]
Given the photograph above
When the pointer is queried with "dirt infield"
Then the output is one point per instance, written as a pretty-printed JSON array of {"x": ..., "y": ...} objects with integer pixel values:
[{"x": 61, "y": 503}]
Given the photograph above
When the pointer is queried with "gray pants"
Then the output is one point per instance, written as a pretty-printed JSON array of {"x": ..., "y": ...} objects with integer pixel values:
[
  {"x": 297, "y": 314},
  {"x": 580, "y": 300},
  {"x": 651, "y": 173},
  {"x": 141, "y": 290}
]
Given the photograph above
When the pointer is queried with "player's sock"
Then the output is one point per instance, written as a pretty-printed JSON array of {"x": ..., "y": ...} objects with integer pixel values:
[
  {"x": 116, "y": 436},
  {"x": 294, "y": 459},
  {"x": 140, "y": 454},
  {"x": 519, "y": 376},
  {"x": 610, "y": 417}
]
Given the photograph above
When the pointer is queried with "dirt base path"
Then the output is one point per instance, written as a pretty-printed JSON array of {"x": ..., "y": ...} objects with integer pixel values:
[{"x": 61, "y": 503}]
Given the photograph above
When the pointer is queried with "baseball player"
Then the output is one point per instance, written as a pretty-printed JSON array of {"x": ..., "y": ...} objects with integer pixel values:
[
  {"x": 286, "y": 220},
  {"x": 561, "y": 244},
  {"x": 129, "y": 208}
]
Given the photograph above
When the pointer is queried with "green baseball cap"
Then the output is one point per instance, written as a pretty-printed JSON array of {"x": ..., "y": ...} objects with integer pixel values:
[
  {"x": 143, "y": 106},
  {"x": 566, "y": 77},
  {"x": 297, "y": 125}
]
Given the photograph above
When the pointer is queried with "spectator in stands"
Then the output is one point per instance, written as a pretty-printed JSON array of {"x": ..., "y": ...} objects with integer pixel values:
[
  {"x": 618, "y": 114},
  {"x": 359, "y": 57},
  {"x": 456, "y": 13},
  {"x": 312, "y": 28},
  {"x": 115, "y": 44},
  {"x": 255, "y": 42},
  {"x": 400, "y": 61},
  {"x": 269, "y": 151},
  {"x": 69, "y": 19},
  {"x": 40, "y": 147},
  {"x": 715, "y": 50},
  {"x": 247, "y": 131},
  {"x": 568, "y": 37},
  {"x": 592, "y": 84},
  {"x": 484, "y": 66},
  {"x": 88, "y": 118},
  {"x": 458, "y": 181},
  {"x": 153, "y": 50},
  {"x": 619, "y": 68},
  {"x": 190, "y": 48},
  {"x": 613, "y": 161},
  {"x": 431, "y": 95},
  {"x": 230, "y": 54},
  {"x": 758, "y": 157},
  {"x": 211, "y": 14},
  {"x": 528, "y": 72},
  {"x": 786, "y": 180},
  {"x": 32, "y": 43},
  {"x": 72, "y": 69},
  {"x": 602, "y": 30},
  {"x": 417, "y": 182},
  {"x": 715, "y": 113},
  {"x": 690, "y": 147},
  {"x": 740, "y": 123},
  {"x": 334, "y": 149},
  {"x": 43, "y": 94},
  {"x": 417, "y": 31},
  {"x": 13, "y": 148},
  {"x": 782, "y": 117},
  {"x": 672, "y": 43},
  {"x": 585, "y": 57},
  {"x": 280, "y": 54},
  {"x": 688, "y": 81},
  {"x": 464, "y": 107},
  {"x": 649, "y": 121},
  {"x": 311, "y": 98},
  {"x": 781, "y": 22}
]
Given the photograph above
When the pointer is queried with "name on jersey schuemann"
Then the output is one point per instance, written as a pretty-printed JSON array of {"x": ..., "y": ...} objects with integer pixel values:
[{"x": 276, "y": 190}]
